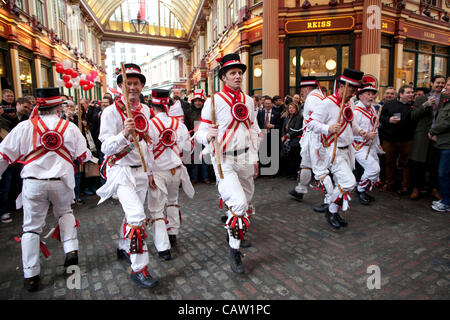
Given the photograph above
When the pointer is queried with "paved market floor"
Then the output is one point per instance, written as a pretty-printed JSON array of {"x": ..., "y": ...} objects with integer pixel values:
[{"x": 295, "y": 254}]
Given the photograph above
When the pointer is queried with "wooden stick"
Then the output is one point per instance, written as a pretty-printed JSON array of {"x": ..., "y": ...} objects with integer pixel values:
[
  {"x": 339, "y": 121},
  {"x": 130, "y": 115},
  {"x": 80, "y": 125},
  {"x": 377, "y": 121},
  {"x": 213, "y": 122}
]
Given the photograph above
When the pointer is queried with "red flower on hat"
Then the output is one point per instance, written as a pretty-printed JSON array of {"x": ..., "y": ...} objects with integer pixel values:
[{"x": 219, "y": 60}]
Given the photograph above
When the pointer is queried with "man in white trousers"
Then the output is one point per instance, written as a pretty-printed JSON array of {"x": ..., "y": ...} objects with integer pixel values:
[
  {"x": 310, "y": 144},
  {"x": 237, "y": 134},
  {"x": 169, "y": 138},
  {"x": 125, "y": 175},
  {"x": 47, "y": 146},
  {"x": 365, "y": 118},
  {"x": 324, "y": 121}
]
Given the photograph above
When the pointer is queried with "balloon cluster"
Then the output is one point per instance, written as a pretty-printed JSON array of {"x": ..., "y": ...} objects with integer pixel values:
[{"x": 71, "y": 78}]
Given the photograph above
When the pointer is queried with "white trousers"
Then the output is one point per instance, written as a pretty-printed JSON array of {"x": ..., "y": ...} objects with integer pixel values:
[
  {"x": 131, "y": 196},
  {"x": 371, "y": 167},
  {"x": 236, "y": 188},
  {"x": 342, "y": 171},
  {"x": 37, "y": 196},
  {"x": 158, "y": 198}
]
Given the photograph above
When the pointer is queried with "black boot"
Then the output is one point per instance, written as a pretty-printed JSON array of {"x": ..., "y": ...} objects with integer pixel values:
[
  {"x": 296, "y": 195},
  {"x": 332, "y": 219},
  {"x": 32, "y": 284},
  {"x": 143, "y": 279},
  {"x": 244, "y": 243},
  {"x": 363, "y": 198},
  {"x": 71, "y": 258},
  {"x": 123, "y": 255},
  {"x": 372, "y": 199},
  {"x": 165, "y": 255},
  {"x": 236, "y": 262},
  {"x": 341, "y": 221},
  {"x": 172, "y": 239},
  {"x": 223, "y": 219},
  {"x": 322, "y": 208}
]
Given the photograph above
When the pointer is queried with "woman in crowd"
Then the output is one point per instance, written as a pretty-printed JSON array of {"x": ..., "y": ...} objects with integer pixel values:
[{"x": 290, "y": 137}]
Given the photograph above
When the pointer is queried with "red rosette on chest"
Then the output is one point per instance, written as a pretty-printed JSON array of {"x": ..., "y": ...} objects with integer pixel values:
[
  {"x": 52, "y": 140},
  {"x": 240, "y": 112},
  {"x": 168, "y": 137},
  {"x": 141, "y": 123},
  {"x": 347, "y": 113}
]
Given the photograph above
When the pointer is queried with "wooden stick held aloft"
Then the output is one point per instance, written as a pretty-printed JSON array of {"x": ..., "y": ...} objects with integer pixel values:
[
  {"x": 339, "y": 121},
  {"x": 130, "y": 115}
]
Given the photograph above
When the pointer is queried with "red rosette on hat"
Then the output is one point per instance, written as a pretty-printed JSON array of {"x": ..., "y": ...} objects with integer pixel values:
[
  {"x": 240, "y": 112},
  {"x": 347, "y": 113},
  {"x": 52, "y": 140}
]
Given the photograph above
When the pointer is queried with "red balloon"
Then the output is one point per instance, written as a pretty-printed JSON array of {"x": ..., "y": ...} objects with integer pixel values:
[
  {"x": 59, "y": 64},
  {"x": 66, "y": 78},
  {"x": 83, "y": 82},
  {"x": 68, "y": 71},
  {"x": 59, "y": 69},
  {"x": 68, "y": 85},
  {"x": 74, "y": 74},
  {"x": 86, "y": 88}
]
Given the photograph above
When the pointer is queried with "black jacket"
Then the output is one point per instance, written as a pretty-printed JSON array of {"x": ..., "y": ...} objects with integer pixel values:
[
  {"x": 293, "y": 125},
  {"x": 274, "y": 118},
  {"x": 402, "y": 131}
]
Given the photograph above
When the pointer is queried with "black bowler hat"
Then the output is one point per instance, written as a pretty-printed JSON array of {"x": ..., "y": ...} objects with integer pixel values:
[
  {"x": 308, "y": 81},
  {"x": 160, "y": 97},
  {"x": 132, "y": 70},
  {"x": 352, "y": 77},
  {"x": 229, "y": 61},
  {"x": 47, "y": 98}
]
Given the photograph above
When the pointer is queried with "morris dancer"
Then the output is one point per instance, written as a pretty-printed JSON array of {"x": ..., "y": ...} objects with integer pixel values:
[
  {"x": 124, "y": 172},
  {"x": 325, "y": 121},
  {"x": 238, "y": 139},
  {"x": 47, "y": 146},
  {"x": 170, "y": 137},
  {"x": 365, "y": 118}
]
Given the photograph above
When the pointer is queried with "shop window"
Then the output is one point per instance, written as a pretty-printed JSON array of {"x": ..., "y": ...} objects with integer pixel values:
[
  {"x": 45, "y": 77},
  {"x": 423, "y": 47},
  {"x": 62, "y": 19},
  {"x": 423, "y": 70},
  {"x": 442, "y": 50},
  {"x": 292, "y": 67},
  {"x": 26, "y": 79},
  {"x": 40, "y": 12},
  {"x": 257, "y": 73},
  {"x": 383, "y": 81},
  {"x": 4, "y": 84},
  {"x": 334, "y": 38},
  {"x": 408, "y": 68},
  {"x": 319, "y": 62},
  {"x": 303, "y": 41},
  {"x": 440, "y": 65},
  {"x": 408, "y": 44},
  {"x": 345, "y": 57}
]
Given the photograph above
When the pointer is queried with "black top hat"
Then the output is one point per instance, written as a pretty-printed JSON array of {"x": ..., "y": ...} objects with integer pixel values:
[
  {"x": 229, "y": 61},
  {"x": 352, "y": 77},
  {"x": 160, "y": 98},
  {"x": 309, "y": 81},
  {"x": 47, "y": 98},
  {"x": 132, "y": 70},
  {"x": 366, "y": 87}
]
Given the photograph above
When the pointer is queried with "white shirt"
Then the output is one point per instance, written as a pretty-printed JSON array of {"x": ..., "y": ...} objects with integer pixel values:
[
  {"x": 113, "y": 141},
  {"x": 169, "y": 158},
  {"x": 363, "y": 121},
  {"x": 176, "y": 110},
  {"x": 327, "y": 114},
  {"x": 313, "y": 99},
  {"x": 19, "y": 143},
  {"x": 243, "y": 138}
]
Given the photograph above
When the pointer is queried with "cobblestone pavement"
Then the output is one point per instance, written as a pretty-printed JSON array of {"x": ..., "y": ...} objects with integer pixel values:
[{"x": 295, "y": 254}]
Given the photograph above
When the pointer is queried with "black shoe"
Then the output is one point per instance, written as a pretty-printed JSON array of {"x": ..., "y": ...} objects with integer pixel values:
[
  {"x": 32, "y": 284},
  {"x": 296, "y": 195},
  {"x": 236, "y": 262},
  {"x": 372, "y": 199},
  {"x": 223, "y": 219},
  {"x": 71, "y": 259},
  {"x": 322, "y": 208},
  {"x": 245, "y": 244},
  {"x": 332, "y": 219},
  {"x": 165, "y": 255},
  {"x": 143, "y": 279},
  {"x": 172, "y": 239},
  {"x": 123, "y": 255},
  {"x": 363, "y": 198},
  {"x": 341, "y": 221}
]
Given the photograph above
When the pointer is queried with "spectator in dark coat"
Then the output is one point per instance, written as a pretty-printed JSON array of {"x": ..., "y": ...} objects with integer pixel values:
[{"x": 290, "y": 133}]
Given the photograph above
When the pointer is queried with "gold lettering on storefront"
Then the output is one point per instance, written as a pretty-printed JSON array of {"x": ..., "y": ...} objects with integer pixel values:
[
  {"x": 319, "y": 24},
  {"x": 429, "y": 35}
]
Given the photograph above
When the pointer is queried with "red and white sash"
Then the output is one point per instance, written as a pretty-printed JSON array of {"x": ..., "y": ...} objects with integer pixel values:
[
  {"x": 328, "y": 140},
  {"x": 167, "y": 136},
  {"x": 139, "y": 118}
]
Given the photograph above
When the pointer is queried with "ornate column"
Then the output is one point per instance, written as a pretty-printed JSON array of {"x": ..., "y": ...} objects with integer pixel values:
[
  {"x": 371, "y": 38},
  {"x": 270, "y": 63},
  {"x": 15, "y": 68}
]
